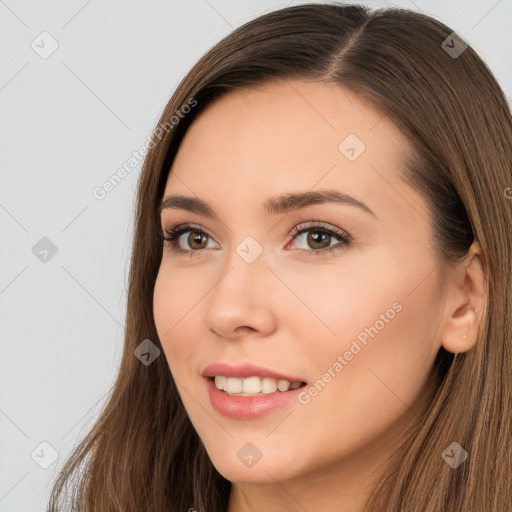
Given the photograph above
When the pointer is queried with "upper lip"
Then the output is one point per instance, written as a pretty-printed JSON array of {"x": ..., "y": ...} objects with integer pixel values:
[{"x": 245, "y": 370}]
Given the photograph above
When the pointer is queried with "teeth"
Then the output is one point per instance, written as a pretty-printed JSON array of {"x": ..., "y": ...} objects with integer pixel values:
[
  {"x": 233, "y": 386},
  {"x": 252, "y": 386},
  {"x": 283, "y": 385},
  {"x": 268, "y": 385},
  {"x": 220, "y": 381}
]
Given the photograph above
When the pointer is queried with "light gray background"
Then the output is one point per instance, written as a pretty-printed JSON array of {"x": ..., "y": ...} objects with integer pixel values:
[{"x": 67, "y": 123}]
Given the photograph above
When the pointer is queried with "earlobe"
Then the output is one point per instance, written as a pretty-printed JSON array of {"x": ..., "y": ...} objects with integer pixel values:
[
  {"x": 466, "y": 303},
  {"x": 462, "y": 333}
]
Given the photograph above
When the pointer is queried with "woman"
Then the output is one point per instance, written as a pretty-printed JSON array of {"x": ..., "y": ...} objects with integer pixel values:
[{"x": 319, "y": 299}]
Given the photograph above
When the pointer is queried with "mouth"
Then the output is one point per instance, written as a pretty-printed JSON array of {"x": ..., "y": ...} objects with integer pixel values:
[
  {"x": 254, "y": 385},
  {"x": 245, "y": 391}
]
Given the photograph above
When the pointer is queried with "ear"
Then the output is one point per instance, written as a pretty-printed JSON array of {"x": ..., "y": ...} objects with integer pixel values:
[{"x": 465, "y": 302}]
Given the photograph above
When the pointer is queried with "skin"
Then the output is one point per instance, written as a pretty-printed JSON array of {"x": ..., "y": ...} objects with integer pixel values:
[{"x": 297, "y": 312}]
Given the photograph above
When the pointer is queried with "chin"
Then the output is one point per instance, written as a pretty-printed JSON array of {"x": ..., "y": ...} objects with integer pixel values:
[{"x": 240, "y": 468}]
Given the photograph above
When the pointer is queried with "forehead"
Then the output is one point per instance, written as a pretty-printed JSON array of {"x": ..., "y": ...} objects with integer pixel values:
[{"x": 290, "y": 136}]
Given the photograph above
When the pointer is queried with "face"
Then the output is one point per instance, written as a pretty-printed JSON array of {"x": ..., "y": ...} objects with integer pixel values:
[{"x": 339, "y": 297}]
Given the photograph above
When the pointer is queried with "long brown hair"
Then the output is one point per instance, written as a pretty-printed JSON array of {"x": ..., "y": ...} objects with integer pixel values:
[{"x": 143, "y": 453}]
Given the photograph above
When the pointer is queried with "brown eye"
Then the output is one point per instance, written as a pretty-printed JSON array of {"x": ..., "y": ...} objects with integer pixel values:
[
  {"x": 192, "y": 244},
  {"x": 198, "y": 238},
  {"x": 319, "y": 238}
]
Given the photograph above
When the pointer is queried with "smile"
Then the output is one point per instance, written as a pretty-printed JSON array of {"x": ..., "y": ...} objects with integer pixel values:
[
  {"x": 245, "y": 391},
  {"x": 253, "y": 386}
]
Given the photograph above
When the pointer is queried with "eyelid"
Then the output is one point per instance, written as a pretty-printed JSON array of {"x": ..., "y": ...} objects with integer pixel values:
[
  {"x": 307, "y": 226},
  {"x": 294, "y": 231},
  {"x": 178, "y": 230}
]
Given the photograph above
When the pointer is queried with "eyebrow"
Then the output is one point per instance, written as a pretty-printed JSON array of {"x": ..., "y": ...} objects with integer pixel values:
[{"x": 272, "y": 206}]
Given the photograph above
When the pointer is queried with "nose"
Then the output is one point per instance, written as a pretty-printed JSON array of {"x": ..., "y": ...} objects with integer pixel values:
[{"x": 240, "y": 303}]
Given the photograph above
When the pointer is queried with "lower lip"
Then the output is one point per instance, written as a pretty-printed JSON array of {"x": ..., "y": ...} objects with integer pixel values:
[{"x": 249, "y": 407}]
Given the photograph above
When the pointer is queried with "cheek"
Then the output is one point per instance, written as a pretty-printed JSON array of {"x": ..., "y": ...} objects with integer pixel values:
[
  {"x": 173, "y": 314},
  {"x": 376, "y": 385},
  {"x": 338, "y": 304},
  {"x": 375, "y": 329}
]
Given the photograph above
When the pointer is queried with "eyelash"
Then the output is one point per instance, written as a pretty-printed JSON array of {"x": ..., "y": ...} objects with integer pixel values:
[{"x": 171, "y": 235}]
